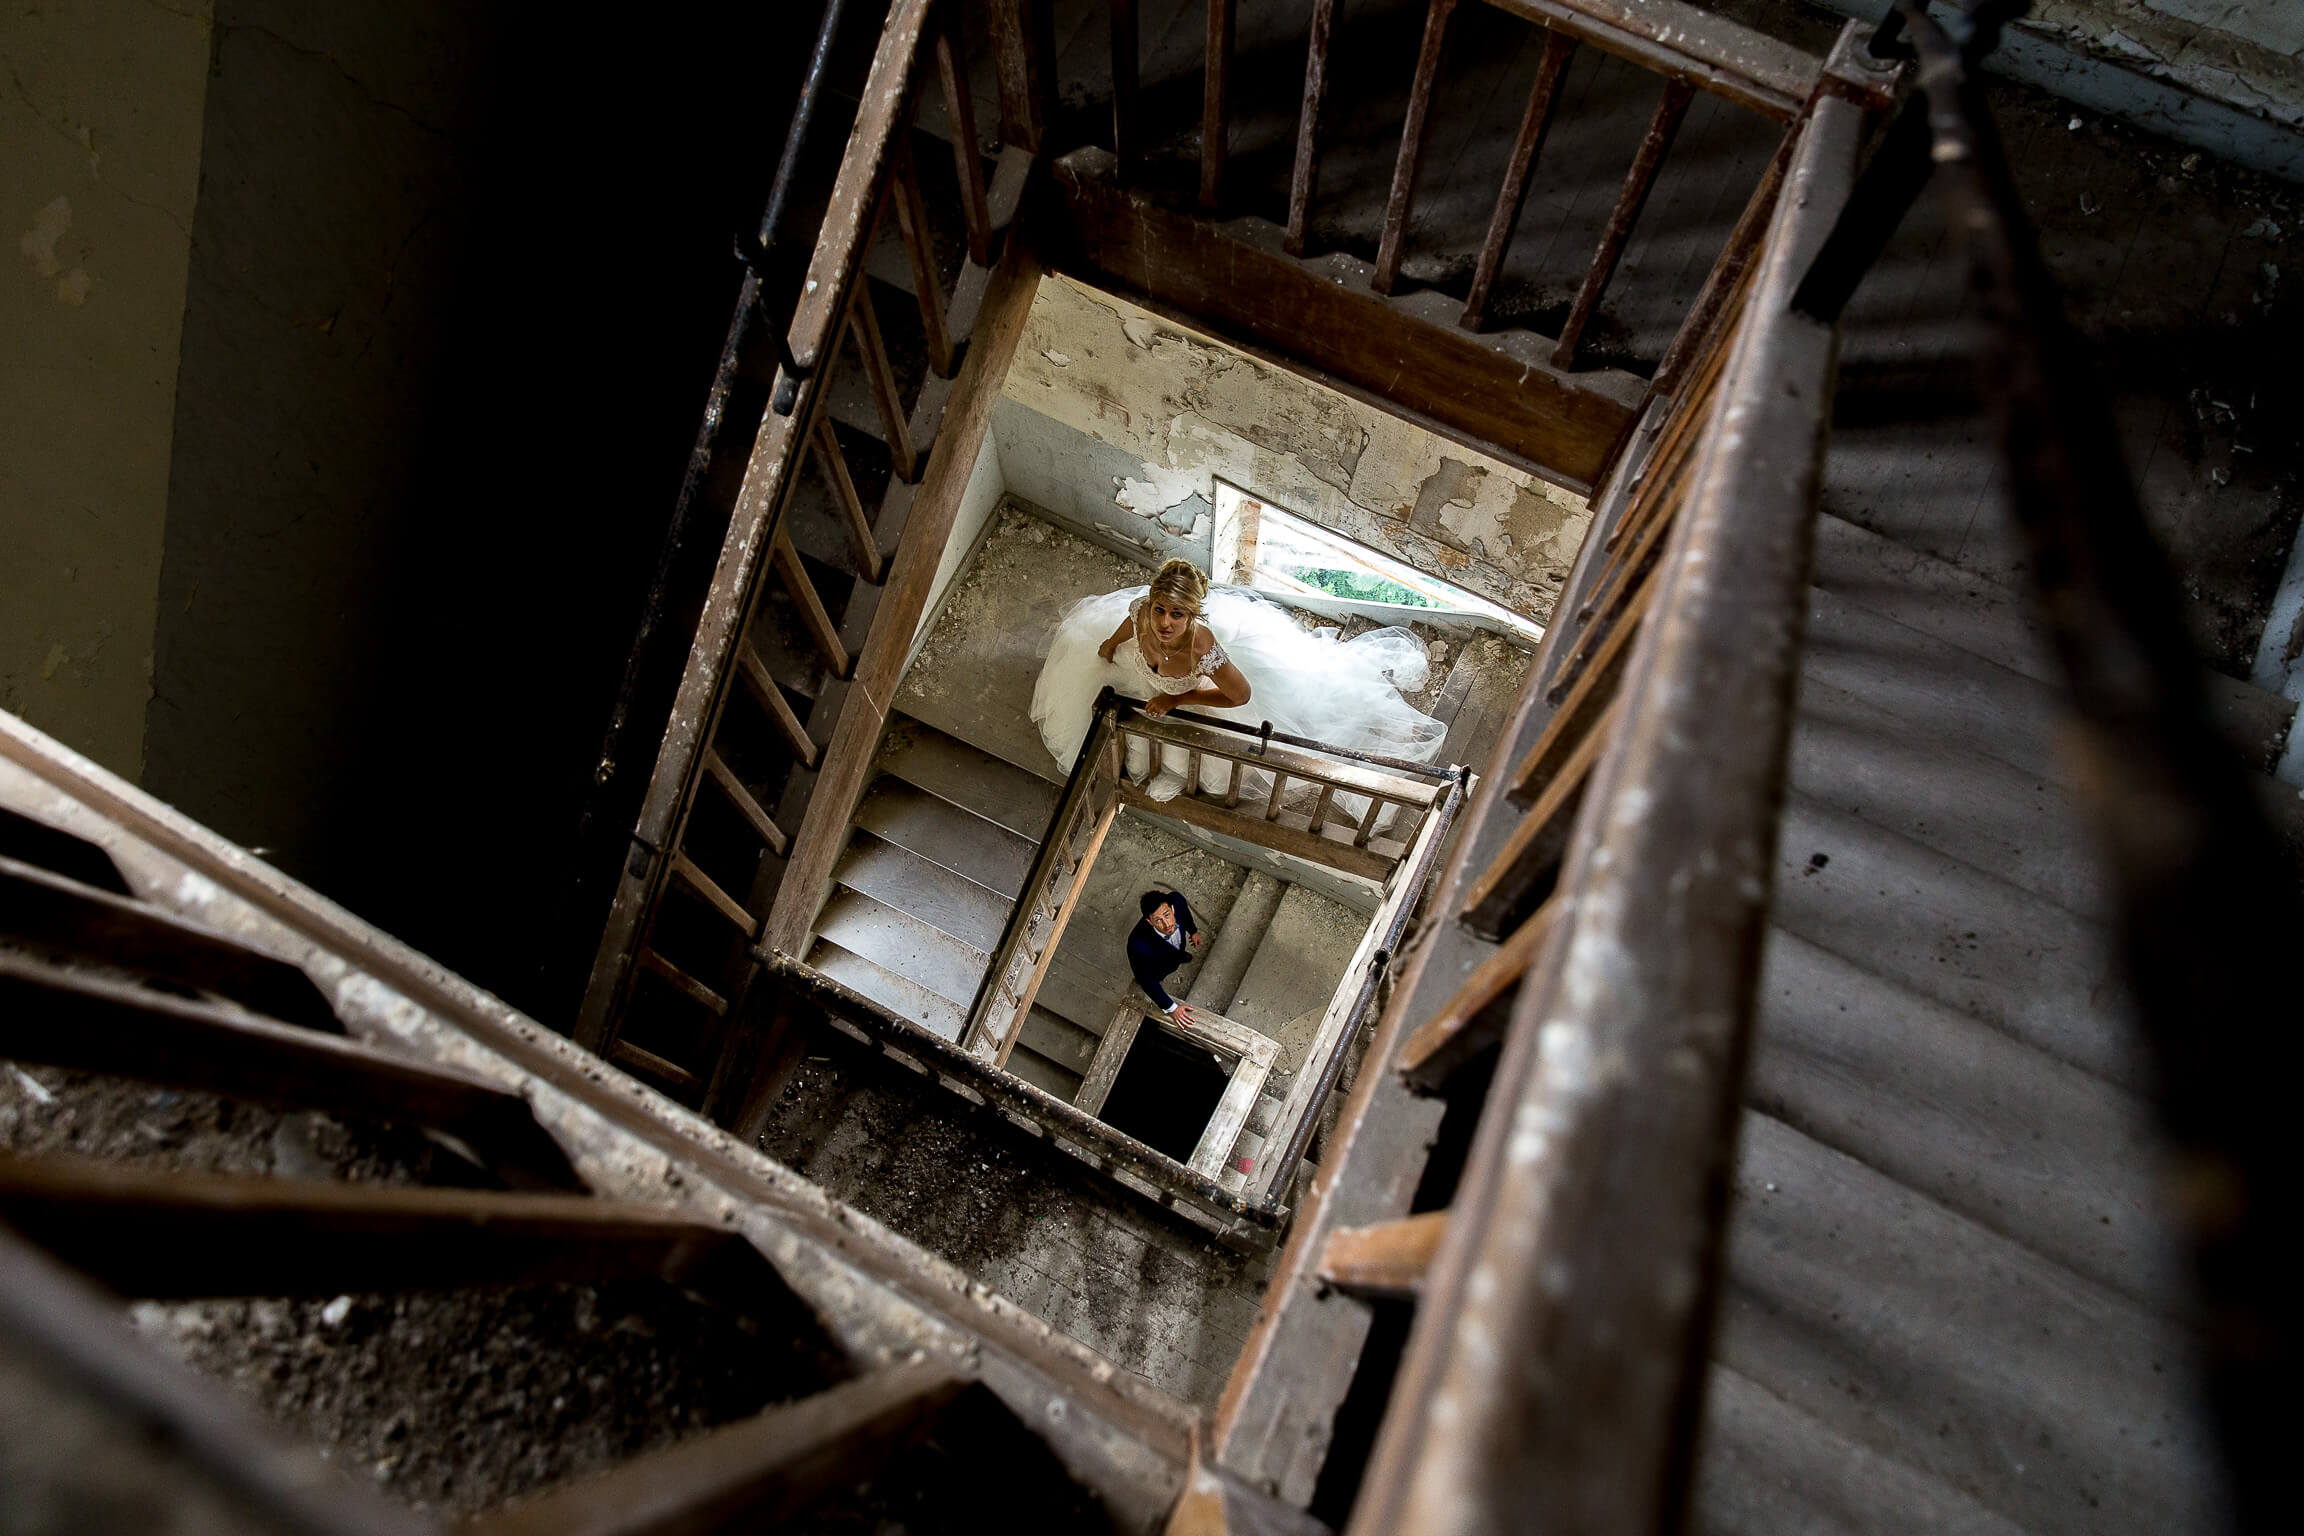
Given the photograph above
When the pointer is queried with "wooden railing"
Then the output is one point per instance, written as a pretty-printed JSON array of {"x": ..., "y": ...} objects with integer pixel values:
[{"x": 728, "y": 693}]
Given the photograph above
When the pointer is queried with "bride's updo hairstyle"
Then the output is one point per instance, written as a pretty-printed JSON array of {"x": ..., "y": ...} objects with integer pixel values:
[{"x": 1180, "y": 586}]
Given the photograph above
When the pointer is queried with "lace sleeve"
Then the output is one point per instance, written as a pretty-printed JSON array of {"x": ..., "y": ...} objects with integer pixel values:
[
  {"x": 1211, "y": 658},
  {"x": 1136, "y": 612}
]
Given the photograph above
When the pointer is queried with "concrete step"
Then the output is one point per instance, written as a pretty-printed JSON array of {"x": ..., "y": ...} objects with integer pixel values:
[
  {"x": 2019, "y": 826},
  {"x": 899, "y": 942},
  {"x": 944, "y": 835},
  {"x": 1298, "y": 965},
  {"x": 2041, "y": 1153},
  {"x": 1081, "y": 994},
  {"x": 1931, "y": 1341},
  {"x": 1953, "y": 933},
  {"x": 1050, "y": 1077},
  {"x": 975, "y": 781},
  {"x": 1767, "y": 1469},
  {"x": 1059, "y": 1040},
  {"x": 897, "y": 877},
  {"x": 906, "y": 999},
  {"x": 1231, "y": 950}
]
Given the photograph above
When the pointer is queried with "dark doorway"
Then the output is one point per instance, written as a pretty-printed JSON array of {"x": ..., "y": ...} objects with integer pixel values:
[{"x": 1166, "y": 1090}]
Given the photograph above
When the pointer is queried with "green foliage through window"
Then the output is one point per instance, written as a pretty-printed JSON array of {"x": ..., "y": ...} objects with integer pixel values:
[{"x": 1361, "y": 586}]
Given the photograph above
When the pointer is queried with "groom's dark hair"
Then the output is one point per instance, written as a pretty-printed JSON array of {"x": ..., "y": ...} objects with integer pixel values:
[{"x": 1152, "y": 901}]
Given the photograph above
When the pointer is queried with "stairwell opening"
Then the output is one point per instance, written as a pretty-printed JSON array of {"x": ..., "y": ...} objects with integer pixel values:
[{"x": 1166, "y": 1091}]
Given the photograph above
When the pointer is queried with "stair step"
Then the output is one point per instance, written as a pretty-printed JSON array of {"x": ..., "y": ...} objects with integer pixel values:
[
  {"x": 998, "y": 791},
  {"x": 1929, "y": 1340},
  {"x": 899, "y": 942},
  {"x": 1050, "y": 1077},
  {"x": 1233, "y": 948},
  {"x": 1853, "y": 756},
  {"x": 1080, "y": 993},
  {"x": 943, "y": 834},
  {"x": 1058, "y": 1039},
  {"x": 897, "y": 877},
  {"x": 1300, "y": 961},
  {"x": 1935, "y": 597},
  {"x": 1953, "y": 933},
  {"x": 1767, "y": 1469},
  {"x": 906, "y": 999},
  {"x": 2043, "y": 1154}
]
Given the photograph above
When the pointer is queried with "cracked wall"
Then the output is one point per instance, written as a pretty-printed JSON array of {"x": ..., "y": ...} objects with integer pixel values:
[
  {"x": 100, "y": 117},
  {"x": 1119, "y": 423}
]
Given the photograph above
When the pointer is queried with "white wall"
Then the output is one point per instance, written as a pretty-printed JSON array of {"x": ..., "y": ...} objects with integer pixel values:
[{"x": 978, "y": 500}]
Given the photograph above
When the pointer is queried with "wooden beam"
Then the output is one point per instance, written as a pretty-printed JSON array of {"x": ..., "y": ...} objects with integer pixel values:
[
  {"x": 685, "y": 871},
  {"x": 1663, "y": 127},
  {"x": 813, "y": 616},
  {"x": 1237, "y": 281},
  {"x": 1392, "y": 243},
  {"x": 170, "y": 1235},
  {"x": 753, "y": 812},
  {"x": 869, "y": 563},
  {"x": 771, "y": 698},
  {"x": 759, "y": 1472},
  {"x": 1216, "y": 103},
  {"x": 847, "y": 763},
  {"x": 1472, "y": 1021},
  {"x": 1387, "y": 1260},
  {"x": 1111, "y": 1051},
  {"x": 1512, "y": 196},
  {"x": 1024, "y": 54},
  {"x": 1230, "y": 1117},
  {"x": 1280, "y": 835},
  {"x": 67, "y": 1017},
  {"x": 920, "y": 252},
  {"x": 49, "y": 909},
  {"x": 1686, "y": 42},
  {"x": 872, "y": 348},
  {"x": 684, "y": 984},
  {"x": 1063, "y": 919},
  {"x": 967, "y": 152},
  {"x": 665, "y": 1070},
  {"x": 1306, "y": 173}
]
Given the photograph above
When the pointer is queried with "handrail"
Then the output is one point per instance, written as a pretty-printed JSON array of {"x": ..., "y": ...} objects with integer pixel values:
[{"x": 1589, "y": 1211}]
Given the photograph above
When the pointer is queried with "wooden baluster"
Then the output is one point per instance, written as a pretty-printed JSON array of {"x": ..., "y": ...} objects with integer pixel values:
[
  {"x": 771, "y": 698},
  {"x": 1125, "y": 68},
  {"x": 1024, "y": 52},
  {"x": 1307, "y": 170},
  {"x": 1559, "y": 47},
  {"x": 818, "y": 623},
  {"x": 1729, "y": 271},
  {"x": 869, "y": 564},
  {"x": 1232, "y": 786},
  {"x": 920, "y": 248},
  {"x": 1320, "y": 811},
  {"x": 1637, "y": 182},
  {"x": 1411, "y": 162},
  {"x": 746, "y": 806},
  {"x": 1272, "y": 807},
  {"x": 864, "y": 326},
  {"x": 967, "y": 158},
  {"x": 1192, "y": 771},
  {"x": 685, "y": 870},
  {"x": 1376, "y": 804},
  {"x": 1216, "y": 102}
]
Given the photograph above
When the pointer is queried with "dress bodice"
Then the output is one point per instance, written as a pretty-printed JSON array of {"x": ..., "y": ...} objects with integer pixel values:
[{"x": 1131, "y": 658}]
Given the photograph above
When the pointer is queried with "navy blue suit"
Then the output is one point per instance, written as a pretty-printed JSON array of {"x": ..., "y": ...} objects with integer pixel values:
[{"x": 1152, "y": 957}]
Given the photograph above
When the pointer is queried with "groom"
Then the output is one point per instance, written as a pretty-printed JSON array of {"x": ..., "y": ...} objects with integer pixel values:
[{"x": 1159, "y": 944}]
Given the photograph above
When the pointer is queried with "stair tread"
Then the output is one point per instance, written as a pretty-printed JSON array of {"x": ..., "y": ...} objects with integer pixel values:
[
  {"x": 2044, "y": 1154},
  {"x": 1051, "y": 1077},
  {"x": 1058, "y": 1039},
  {"x": 976, "y": 781},
  {"x": 1930, "y": 1340},
  {"x": 1923, "y": 592},
  {"x": 897, "y": 877},
  {"x": 1951, "y": 932},
  {"x": 899, "y": 942},
  {"x": 943, "y": 834},
  {"x": 907, "y": 999},
  {"x": 2018, "y": 825}
]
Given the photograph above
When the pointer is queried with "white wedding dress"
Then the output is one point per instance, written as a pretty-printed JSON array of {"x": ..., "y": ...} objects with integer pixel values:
[{"x": 1311, "y": 684}]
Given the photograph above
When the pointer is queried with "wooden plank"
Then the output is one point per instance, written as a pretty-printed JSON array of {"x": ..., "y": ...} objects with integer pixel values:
[
  {"x": 1687, "y": 43},
  {"x": 151, "y": 1234},
  {"x": 1472, "y": 1020},
  {"x": 920, "y": 252},
  {"x": 1056, "y": 929},
  {"x": 685, "y": 871},
  {"x": 855, "y": 205},
  {"x": 646, "y": 1062},
  {"x": 1499, "y": 1390},
  {"x": 864, "y": 325},
  {"x": 1368, "y": 820},
  {"x": 1024, "y": 54},
  {"x": 1267, "y": 834},
  {"x": 1306, "y": 172},
  {"x": 1386, "y": 1260},
  {"x": 847, "y": 766},
  {"x": 718, "y": 771},
  {"x": 1559, "y": 47},
  {"x": 1409, "y": 165},
  {"x": 49, "y": 909},
  {"x": 1523, "y": 873},
  {"x": 1214, "y": 1149},
  {"x": 683, "y": 983},
  {"x": 1320, "y": 811},
  {"x": 813, "y": 617},
  {"x": 1126, "y": 33},
  {"x": 1237, "y": 281},
  {"x": 869, "y": 563},
  {"x": 967, "y": 153},
  {"x": 1593, "y": 691},
  {"x": 771, "y": 698},
  {"x": 1216, "y": 103},
  {"x": 759, "y": 1472},
  {"x": 69, "y": 1017},
  {"x": 1111, "y": 1051},
  {"x": 1638, "y": 182}
]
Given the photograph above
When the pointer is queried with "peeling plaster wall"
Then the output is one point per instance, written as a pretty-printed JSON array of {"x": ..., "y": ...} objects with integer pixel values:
[
  {"x": 99, "y": 166},
  {"x": 1115, "y": 420}
]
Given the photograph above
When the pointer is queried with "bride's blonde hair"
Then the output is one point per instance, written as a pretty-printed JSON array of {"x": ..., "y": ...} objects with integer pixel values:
[{"x": 1180, "y": 585}]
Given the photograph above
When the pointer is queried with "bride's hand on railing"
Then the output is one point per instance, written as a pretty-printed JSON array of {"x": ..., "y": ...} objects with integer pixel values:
[{"x": 1159, "y": 705}]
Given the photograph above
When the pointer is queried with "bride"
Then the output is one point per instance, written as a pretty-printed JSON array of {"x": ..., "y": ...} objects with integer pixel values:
[{"x": 1234, "y": 655}]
